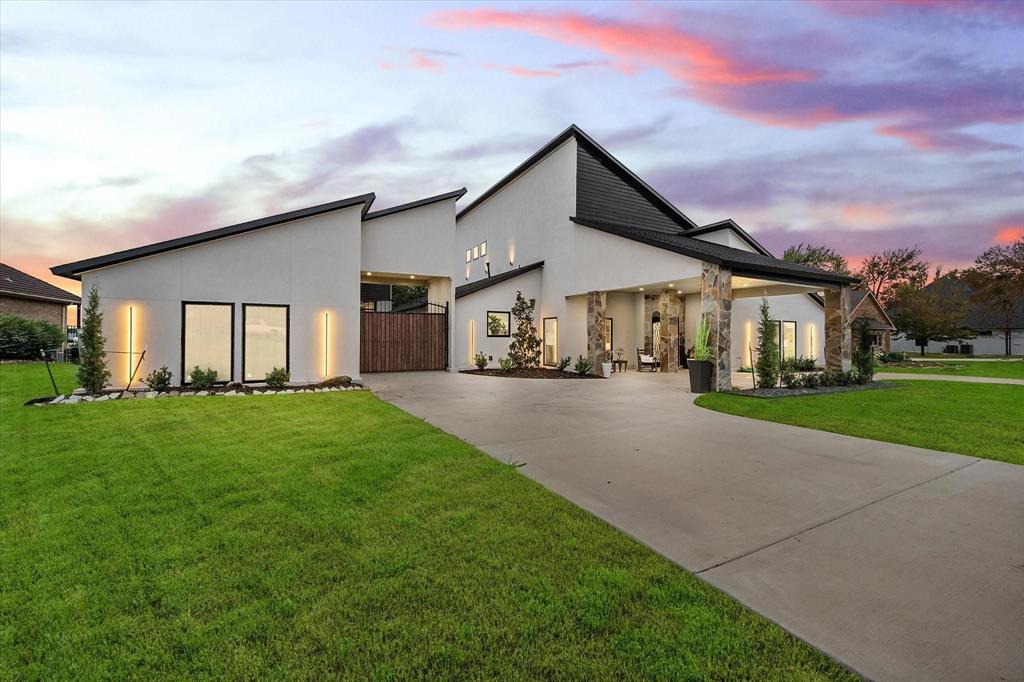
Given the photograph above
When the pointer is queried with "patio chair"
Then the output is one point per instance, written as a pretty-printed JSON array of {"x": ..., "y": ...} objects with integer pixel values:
[{"x": 644, "y": 361}]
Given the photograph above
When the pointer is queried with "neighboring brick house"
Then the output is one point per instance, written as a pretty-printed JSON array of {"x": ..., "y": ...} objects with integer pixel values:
[
  {"x": 23, "y": 295},
  {"x": 864, "y": 305}
]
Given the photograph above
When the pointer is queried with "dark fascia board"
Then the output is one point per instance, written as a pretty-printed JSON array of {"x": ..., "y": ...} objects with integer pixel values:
[
  {"x": 481, "y": 284},
  {"x": 457, "y": 194},
  {"x": 603, "y": 155},
  {"x": 75, "y": 270},
  {"x": 780, "y": 272}
]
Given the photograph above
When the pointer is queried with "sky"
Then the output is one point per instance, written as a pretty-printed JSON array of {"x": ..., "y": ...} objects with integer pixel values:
[{"x": 862, "y": 126}]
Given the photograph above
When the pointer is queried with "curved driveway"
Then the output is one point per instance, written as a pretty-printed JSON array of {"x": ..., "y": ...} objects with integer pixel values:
[{"x": 900, "y": 562}]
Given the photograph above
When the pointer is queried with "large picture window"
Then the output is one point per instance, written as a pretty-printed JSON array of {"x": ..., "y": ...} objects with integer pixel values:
[
  {"x": 498, "y": 322},
  {"x": 208, "y": 339},
  {"x": 550, "y": 341},
  {"x": 264, "y": 340}
]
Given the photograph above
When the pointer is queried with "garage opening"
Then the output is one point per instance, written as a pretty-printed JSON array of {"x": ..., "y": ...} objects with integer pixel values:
[{"x": 407, "y": 338}]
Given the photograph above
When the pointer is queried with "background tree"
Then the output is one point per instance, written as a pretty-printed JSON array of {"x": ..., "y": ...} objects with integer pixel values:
[
  {"x": 997, "y": 280},
  {"x": 524, "y": 349},
  {"x": 821, "y": 257},
  {"x": 767, "y": 364},
  {"x": 926, "y": 314},
  {"x": 93, "y": 374},
  {"x": 883, "y": 273},
  {"x": 407, "y": 293}
]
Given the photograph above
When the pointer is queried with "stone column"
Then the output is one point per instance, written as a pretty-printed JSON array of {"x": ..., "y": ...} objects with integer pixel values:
[
  {"x": 596, "y": 303},
  {"x": 716, "y": 303},
  {"x": 837, "y": 328},
  {"x": 669, "y": 308}
]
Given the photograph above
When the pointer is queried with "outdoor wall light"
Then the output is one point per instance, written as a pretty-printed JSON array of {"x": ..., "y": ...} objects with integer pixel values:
[
  {"x": 131, "y": 339},
  {"x": 326, "y": 341}
]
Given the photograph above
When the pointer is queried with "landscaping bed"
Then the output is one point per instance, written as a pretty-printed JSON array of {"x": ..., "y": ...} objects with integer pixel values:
[
  {"x": 531, "y": 373},
  {"x": 782, "y": 392}
]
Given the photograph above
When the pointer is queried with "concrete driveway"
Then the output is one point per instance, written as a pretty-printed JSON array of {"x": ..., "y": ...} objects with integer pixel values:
[{"x": 904, "y": 564}]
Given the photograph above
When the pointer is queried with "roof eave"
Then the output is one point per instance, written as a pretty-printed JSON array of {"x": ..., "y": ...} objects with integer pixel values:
[{"x": 456, "y": 194}]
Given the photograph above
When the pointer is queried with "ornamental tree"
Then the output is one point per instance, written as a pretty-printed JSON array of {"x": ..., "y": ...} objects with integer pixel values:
[
  {"x": 93, "y": 374},
  {"x": 767, "y": 365},
  {"x": 524, "y": 349}
]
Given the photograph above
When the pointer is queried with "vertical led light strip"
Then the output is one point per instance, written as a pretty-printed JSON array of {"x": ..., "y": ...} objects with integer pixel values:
[
  {"x": 131, "y": 340},
  {"x": 325, "y": 345}
]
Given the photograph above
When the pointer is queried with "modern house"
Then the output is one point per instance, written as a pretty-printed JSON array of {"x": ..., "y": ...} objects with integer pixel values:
[
  {"x": 611, "y": 263},
  {"x": 26, "y": 296}
]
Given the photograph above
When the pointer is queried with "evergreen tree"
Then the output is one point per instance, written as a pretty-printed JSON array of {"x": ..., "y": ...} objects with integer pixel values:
[
  {"x": 863, "y": 354},
  {"x": 93, "y": 374},
  {"x": 524, "y": 350},
  {"x": 767, "y": 365}
]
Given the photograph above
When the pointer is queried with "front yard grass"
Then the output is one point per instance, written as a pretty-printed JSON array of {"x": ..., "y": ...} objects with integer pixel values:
[
  {"x": 982, "y": 420},
  {"x": 326, "y": 535},
  {"x": 1002, "y": 369}
]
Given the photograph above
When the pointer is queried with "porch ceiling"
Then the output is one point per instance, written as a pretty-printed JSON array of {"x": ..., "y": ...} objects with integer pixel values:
[{"x": 742, "y": 287}]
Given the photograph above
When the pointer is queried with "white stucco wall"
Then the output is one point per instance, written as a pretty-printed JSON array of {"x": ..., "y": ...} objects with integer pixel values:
[
  {"x": 417, "y": 241},
  {"x": 500, "y": 297},
  {"x": 312, "y": 265}
]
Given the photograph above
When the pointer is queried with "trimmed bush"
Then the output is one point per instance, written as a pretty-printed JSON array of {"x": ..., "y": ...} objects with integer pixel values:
[
  {"x": 506, "y": 365},
  {"x": 21, "y": 339},
  {"x": 278, "y": 378},
  {"x": 564, "y": 363},
  {"x": 480, "y": 360},
  {"x": 812, "y": 380},
  {"x": 338, "y": 381},
  {"x": 800, "y": 364},
  {"x": 892, "y": 357},
  {"x": 789, "y": 378},
  {"x": 583, "y": 365},
  {"x": 202, "y": 379},
  {"x": 159, "y": 379}
]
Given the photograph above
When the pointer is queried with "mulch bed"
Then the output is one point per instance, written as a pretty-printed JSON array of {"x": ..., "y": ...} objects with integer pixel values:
[
  {"x": 795, "y": 392},
  {"x": 534, "y": 373}
]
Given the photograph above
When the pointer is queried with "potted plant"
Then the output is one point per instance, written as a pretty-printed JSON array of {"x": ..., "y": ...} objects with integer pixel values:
[
  {"x": 700, "y": 365},
  {"x": 606, "y": 366}
]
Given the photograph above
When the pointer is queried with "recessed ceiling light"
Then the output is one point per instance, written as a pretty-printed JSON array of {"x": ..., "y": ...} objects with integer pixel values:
[
  {"x": 369, "y": 274},
  {"x": 412, "y": 276},
  {"x": 672, "y": 284},
  {"x": 641, "y": 288}
]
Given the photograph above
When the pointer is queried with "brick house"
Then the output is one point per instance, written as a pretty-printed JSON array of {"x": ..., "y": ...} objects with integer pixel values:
[
  {"x": 23, "y": 295},
  {"x": 864, "y": 306}
]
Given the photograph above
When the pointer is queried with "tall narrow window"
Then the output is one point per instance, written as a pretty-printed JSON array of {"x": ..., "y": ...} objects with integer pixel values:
[
  {"x": 609, "y": 337},
  {"x": 483, "y": 249},
  {"x": 656, "y": 334},
  {"x": 469, "y": 255},
  {"x": 476, "y": 252},
  {"x": 265, "y": 340},
  {"x": 208, "y": 339},
  {"x": 550, "y": 341},
  {"x": 787, "y": 340}
]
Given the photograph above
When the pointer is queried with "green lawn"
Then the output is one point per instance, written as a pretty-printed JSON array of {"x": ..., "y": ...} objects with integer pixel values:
[
  {"x": 983, "y": 420},
  {"x": 326, "y": 535},
  {"x": 1003, "y": 369}
]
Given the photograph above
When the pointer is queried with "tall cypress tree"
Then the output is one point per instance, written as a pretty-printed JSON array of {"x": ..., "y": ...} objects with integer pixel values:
[
  {"x": 93, "y": 374},
  {"x": 767, "y": 348}
]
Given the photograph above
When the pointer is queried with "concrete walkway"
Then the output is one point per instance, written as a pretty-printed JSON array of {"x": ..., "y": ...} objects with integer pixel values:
[
  {"x": 885, "y": 376},
  {"x": 904, "y": 564}
]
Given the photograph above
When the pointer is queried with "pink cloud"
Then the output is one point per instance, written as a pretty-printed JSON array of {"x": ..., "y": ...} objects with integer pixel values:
[
  {"x": 522, "y": 71},
  {"x": 422, "y": 62},
  {"x": 1009, "y": 234},
  {"x": 870, "y": 214}
]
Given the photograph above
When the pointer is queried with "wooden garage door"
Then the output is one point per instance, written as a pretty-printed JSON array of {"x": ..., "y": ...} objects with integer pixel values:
[{"x": 404, "y": 342}]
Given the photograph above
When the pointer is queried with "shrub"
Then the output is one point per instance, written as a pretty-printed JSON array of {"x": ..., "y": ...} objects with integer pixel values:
[
  {"x": 811, "y": 380},
  {"x": 93, "y": 374},
  {"x": 480, "y": 360},
  {"x": 583, "y": 365},
  {"x": 830, "y": 377},
  {"x": 892, "y": 357},
  {"x": 22, "y": 339},
  {"x": 159, "y": 379},
  {"x": 564, "y": 363},
  {"x": 864, "y": 354},
  {"x": 506, "y": 365},
  {"x": 524, "y": 349},
  {"x": 202, "y": 379},
  {"x": 789, "y": 378},
  {"x": 701, "y": 350},
  {"x": 337, "y": 382},
  {"x": 800, "y": 364},
  {"x": 767, "y": 364},
  {"x": 278, "y": 378}
]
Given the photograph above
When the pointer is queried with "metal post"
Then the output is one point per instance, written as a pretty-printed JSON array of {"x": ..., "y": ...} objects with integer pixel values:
[
  {"x": 137, "y": 365},
  {"x": 46, "y": 360}
]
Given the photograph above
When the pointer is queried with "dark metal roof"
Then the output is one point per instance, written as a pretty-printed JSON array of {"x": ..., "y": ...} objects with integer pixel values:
[
  {"x": 977, "y": 317},
  {"x": 741, "y": 262},
  {"x": 482, "y": 284},
  {"x": 599, "y": 152},
  {"x": 457, "y": 194},
  {"x": 75, "y": 270},
  {"x": 14, "y": 282}
]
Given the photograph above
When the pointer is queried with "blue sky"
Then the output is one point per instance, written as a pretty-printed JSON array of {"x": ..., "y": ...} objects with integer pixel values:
[{"x": 859, "y": 125}]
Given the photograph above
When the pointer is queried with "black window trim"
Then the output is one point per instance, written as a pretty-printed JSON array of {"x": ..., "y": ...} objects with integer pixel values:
[
  {"x": 611, "y": 337},
  {"x": 543, "y": 340},
  {"x": 185, "y": 304},
  {"x": 487, "y": 327},
  {"x": 796, "y": 339},
  {"x": 287, "y": 337}
]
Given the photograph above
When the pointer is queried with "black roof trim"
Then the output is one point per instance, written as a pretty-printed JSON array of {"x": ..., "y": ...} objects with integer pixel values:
[
  {"x": 741, "y": 262},
  {"x": 481, "y": 284},
  {"x": 457, "y": 194},
  {"x": 74, "y": 270},
  {"x": 602, "y": 154}
]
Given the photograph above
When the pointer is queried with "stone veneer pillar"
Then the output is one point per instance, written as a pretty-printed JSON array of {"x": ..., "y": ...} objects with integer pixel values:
[
  {"x": 669, "y": 307},
  {"x": 837, "y": 328},
  {"x": 716, "y": 303},
  {"x": 597, "y": 302}
]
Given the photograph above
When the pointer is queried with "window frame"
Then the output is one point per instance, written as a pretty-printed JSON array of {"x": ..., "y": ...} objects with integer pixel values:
[
  {"x": 609, "y": 342},
  {"x": 483, "y": 249},
  {"x": 508, "y": 327},
  {"x": 544, "y": 338},
  {"x": 184, "y": 305},
  {"x": 476, "y": 252},
  {"x": 469, "y": 255},
  {"x": 287, "y": 337},
  {"x": 782, "y": 342}
]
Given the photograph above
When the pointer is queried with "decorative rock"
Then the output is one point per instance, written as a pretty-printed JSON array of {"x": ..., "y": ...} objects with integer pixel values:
[
  {"x": 186, "y": 394},
  {"x": 78, "y": 391},
  {"x": 88, "y": 398},
  {"x": 229, "y": 393},
  {"x": 202, "y": 393},
  {"x": 115, "y": 396},
  {"x": 56, "y": 401},
  {"x": 102, "y": 398},
  {"x": 289, "y": 390},
  {"x": 173, "y": 394},
  {"x": 151, "y": 394},
  {"x": 74, "y": 399}
]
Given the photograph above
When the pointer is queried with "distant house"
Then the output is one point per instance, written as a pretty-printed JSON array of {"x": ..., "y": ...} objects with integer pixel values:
[
  {"x": 989, "y": 336},
  {"x": 864, "y": 306},
  {"x": 23, "y": 295}
]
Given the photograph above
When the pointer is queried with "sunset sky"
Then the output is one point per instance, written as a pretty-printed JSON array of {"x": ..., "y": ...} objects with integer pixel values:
[{"x": 861, "y": 126}]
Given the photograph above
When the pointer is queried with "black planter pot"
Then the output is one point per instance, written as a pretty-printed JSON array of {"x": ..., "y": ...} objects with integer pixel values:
[{"x": 700, "y": 376}]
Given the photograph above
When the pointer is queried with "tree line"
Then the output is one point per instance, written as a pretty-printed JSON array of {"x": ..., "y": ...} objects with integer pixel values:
[{"x": 927, "y": 304}]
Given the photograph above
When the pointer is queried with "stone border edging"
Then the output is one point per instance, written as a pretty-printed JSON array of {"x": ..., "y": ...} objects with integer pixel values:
[{"x": 77, "y": 399}]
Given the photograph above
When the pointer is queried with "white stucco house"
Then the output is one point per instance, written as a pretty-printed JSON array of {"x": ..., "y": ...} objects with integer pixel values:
[{"x": 611, "y": 263}]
